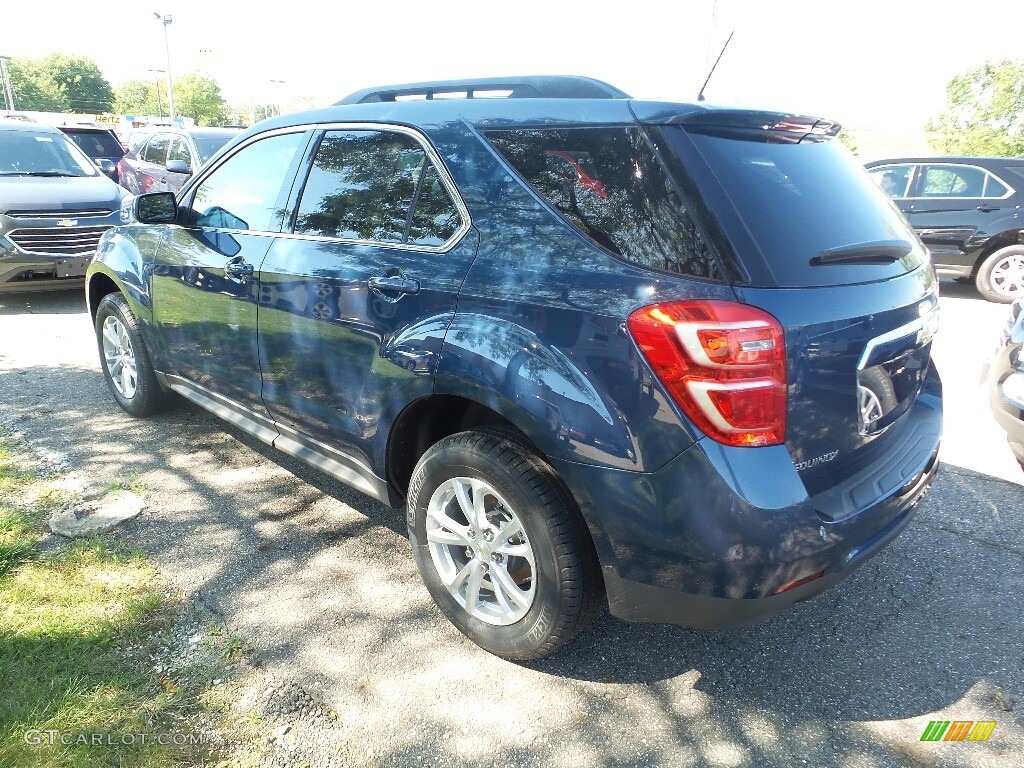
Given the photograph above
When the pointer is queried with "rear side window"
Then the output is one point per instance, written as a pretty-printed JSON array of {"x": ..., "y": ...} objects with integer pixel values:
[
  {"x": 376, "y": 186},
  {"x": 608, "y": 184}
]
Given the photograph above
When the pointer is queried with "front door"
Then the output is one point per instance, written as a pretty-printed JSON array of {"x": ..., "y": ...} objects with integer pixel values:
[{"x": 204, "y": 283}]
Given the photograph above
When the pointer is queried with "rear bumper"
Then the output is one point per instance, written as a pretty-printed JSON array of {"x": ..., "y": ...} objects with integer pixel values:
[
  {"x": 726, "y": 537},
  {"x": 635, "y": 601}
]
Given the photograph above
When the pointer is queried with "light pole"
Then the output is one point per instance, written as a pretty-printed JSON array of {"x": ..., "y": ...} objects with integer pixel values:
[
  {"x": 165, "y": 19},
  {"x": 277, "y": 106},
  {"x": 156, "y": 80}
]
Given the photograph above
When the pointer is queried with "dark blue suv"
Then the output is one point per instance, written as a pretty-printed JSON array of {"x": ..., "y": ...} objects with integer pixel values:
[{"x": 592, "y": 345}]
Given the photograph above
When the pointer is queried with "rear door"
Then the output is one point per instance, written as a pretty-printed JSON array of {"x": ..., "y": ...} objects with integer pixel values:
[
  {"x": 954, "y": 207},
  {"x": 829, "y": 256},
  {"x": 355, "y": 301}
]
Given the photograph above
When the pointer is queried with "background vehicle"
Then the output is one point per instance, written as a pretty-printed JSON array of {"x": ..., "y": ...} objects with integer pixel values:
[
  {"x": 54, "y": 206},
  {"x": 967, "y": 210},
  {"x": 100, "y": 144},
  {"x": 1006, "y": 381},
  {"x": 163, "y": 160},
  {"x": 667, "y": 372}
]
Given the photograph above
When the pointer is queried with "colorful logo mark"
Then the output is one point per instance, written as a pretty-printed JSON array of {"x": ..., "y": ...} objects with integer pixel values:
[{"x": 958, "y": 730}]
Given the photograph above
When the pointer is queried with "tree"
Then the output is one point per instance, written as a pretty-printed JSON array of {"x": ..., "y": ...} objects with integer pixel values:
[
  {"x": 60, "y": 83},
  {"x": 199, "y": 97},
  {"x": 81, "y": 81},
  {"x": 139, "y": 97},
  {"x": 33, "y": 87},
  {"x": 984, "y": 112}
]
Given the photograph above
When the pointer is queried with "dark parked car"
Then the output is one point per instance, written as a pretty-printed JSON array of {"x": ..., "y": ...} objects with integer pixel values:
[
  {"x": 163, "y": 160},
  {"x": 100, "y": 144},
  {"x": 666, "y": 373},
  {"x": 967, "y": 210},
  {"x": 54, "y": 205},
  {"x": 1006, "y": 381}
]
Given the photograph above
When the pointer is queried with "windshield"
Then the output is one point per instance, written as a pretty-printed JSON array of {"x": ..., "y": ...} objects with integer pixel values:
[
  {"x": 208, "y": 145},
  {"x": 32, "y": 153}
]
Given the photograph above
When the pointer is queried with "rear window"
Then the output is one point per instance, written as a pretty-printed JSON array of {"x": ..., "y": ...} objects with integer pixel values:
[
  {"x": 608, "y": 184},
  {"x": 97, "y": 143},
  {"x": 799, "y": 200}
]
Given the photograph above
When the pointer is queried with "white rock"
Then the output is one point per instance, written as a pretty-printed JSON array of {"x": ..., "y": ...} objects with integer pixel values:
[{"x": 98, "y": 516}]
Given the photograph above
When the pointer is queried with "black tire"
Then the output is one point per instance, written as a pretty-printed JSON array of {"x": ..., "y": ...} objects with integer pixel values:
[
  {"x": 141, "y": 394},
  {"x": 1001, "y": 276},
  {"x": 563, "y": 582},
  {"x": 876, "y": 395}
]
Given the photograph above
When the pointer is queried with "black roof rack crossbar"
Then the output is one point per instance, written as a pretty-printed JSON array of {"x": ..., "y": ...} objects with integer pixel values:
[{"x": 532, "y": 87}]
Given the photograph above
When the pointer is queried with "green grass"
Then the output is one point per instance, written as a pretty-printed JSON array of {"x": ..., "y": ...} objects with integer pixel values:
[{"x": 76, "y": 629}]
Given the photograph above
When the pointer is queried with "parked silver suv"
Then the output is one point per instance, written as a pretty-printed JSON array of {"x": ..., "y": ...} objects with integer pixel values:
[{"x": 54, "y": 206}]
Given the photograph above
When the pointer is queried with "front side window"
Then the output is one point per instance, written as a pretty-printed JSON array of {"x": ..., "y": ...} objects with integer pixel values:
[
  {"x": 243, "y": 192},
  {"x": 893, "y": 179},
  {"x": 179, "y": 151},
  {"x": 608, "y": 184},
  {"x": 377, "y": 186},
  {"x": 156, "y": 150}
]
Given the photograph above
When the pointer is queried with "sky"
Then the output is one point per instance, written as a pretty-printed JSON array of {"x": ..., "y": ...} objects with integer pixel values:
[{"x": 862, "y": 63}]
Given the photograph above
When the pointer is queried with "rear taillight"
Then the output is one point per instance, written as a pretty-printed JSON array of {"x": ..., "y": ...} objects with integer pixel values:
[{"x": 724, "y": 363}]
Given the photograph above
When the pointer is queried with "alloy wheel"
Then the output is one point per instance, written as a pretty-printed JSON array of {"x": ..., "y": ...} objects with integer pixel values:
[
  {"x": 481, "y": 551},
  {"x": 119, "y": 356}
]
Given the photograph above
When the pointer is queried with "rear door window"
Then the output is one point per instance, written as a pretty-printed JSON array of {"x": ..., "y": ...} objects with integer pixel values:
[
  {"x": 376, "y": 186},
  {"x": 956, "y": 181},
  {"x": 609, "y": 185}
]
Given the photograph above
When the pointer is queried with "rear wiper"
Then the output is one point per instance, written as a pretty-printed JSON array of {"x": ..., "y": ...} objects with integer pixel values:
[{"x": 878, "y": 252}]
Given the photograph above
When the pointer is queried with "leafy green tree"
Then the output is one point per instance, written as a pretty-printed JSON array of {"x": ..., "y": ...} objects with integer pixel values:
[
  {"x": 984, "y": 112},
  {"x": 848, "y": 141},
  {"x": 34, "y": 88},
  {"x": 139, "y": 97},
  {"x": 80, "y": 80},
  {"x": 199, "y": 97},
  {"x": 60, "y": 83}
]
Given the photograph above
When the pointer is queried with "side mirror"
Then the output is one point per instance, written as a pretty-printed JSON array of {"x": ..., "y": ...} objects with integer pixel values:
[
  {"x": 156, "y": 208},
  {"x": 105, "y": 165},
  {"x": 178, "y": 166}
]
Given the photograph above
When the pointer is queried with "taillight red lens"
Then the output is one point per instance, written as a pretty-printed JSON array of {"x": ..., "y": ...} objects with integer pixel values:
[{"x": 724, "y": 364}]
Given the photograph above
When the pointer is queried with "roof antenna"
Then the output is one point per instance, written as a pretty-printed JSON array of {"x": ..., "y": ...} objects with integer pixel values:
[{"x": 700, "y": 96}]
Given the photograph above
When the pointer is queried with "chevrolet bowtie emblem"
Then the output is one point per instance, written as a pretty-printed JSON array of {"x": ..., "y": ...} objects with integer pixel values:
[{"x": 67, "y": 222}]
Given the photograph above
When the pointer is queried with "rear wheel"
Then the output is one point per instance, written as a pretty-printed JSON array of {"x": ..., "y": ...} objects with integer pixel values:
[
  {"x": 1001, "y": 276},
  {"x": 125, "y": 360},
  {"x": 500, "y": 545}
]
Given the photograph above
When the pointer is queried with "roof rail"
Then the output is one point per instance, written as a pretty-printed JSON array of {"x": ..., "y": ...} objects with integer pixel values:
[{"x": 531, "y": 87}]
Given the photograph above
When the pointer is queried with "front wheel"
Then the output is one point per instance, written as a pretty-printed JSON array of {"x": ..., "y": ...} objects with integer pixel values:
[
  {"x": 125, "y": 360},
  {"x": 1001, "y": 275},
  {"x": 500, "y": 546}
]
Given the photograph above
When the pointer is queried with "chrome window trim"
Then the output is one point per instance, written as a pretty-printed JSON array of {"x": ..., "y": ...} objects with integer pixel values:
[
  {"x": 442, "y": 170},
  {"x": 986, "y": 171}
]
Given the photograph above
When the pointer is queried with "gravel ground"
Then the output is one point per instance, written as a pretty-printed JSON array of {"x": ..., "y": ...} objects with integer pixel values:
[{"x": 338, "y": 657}]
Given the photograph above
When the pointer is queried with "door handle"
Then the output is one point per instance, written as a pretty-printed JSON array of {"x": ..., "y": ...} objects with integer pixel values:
[
  {"x": 238, "y": 267},
  {"x": 395, "y": 283},
  {"x": 988, "y": 208}
]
